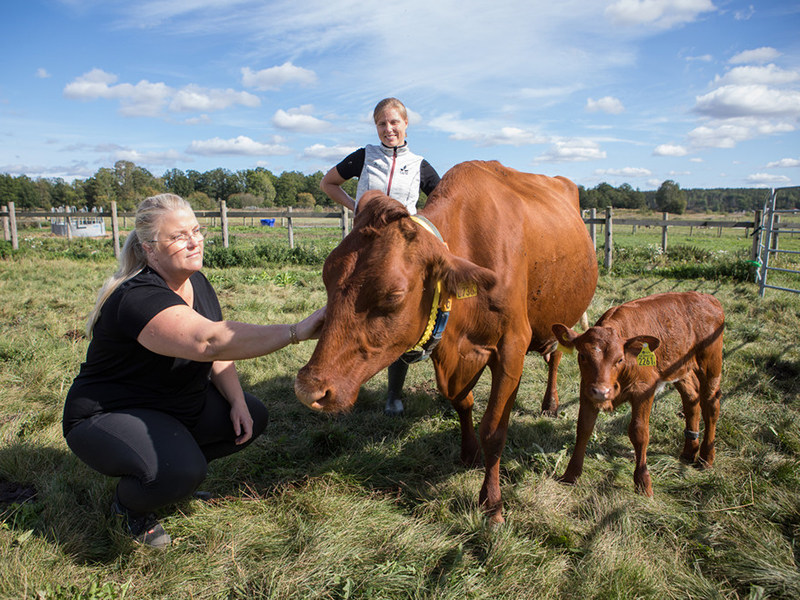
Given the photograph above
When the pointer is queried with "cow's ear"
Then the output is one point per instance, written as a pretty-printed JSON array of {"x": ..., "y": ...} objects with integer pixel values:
[
  {"x": 635, "y": 344},
  {"x": 461, "y": 277},
  {"x": 565, "y": 336}
]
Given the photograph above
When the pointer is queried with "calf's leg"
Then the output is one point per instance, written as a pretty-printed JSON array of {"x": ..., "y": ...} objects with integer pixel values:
[
  {"x": 587, "y": 417},
  {"x": 639, "y": 434},
  {"x": 688, "y": 388},
  {"x": 550, "y": 400},
  {"x": 710, "y": 405}
]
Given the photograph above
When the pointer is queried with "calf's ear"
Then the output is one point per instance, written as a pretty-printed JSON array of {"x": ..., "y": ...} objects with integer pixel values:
[
  {"x": 565, "y": 336},
  {"x": 635, "y": 344}
]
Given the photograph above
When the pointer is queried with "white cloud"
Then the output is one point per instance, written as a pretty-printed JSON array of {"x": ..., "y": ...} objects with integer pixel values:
[
  {"x": 193, "y": 98},
  {"x": 767, "y": 179},
  {"x": 166, "y": 158},
  {"x": 577, "y": 150},
  {"x": 729, "y": 132},
  {"x": 767, "y": 75},
  {"x": 761, "y": 55},
  {"x": 300, "y": 120},
  {"x": 147, "y": 99},
  {"x": 328, "y": 153},
  {"x": 749, "y": 100},
  {"x": 275, "y": 77},
  {"x": 744, "y": 15},
  {"x": 670, "y": 150},
  {"x": 663, "y": 14},
  {"x": 485, "y": 133},
  {"x": 240, "y": 146},
  {"x": 784, "y": 162},
  {"x": 42, "y": 73},
  {"x": 607, "y": 104},
  {"x": 625, "y": 172}
]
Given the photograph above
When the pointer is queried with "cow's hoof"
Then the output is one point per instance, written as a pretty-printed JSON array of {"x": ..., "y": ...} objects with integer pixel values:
[
  {"x": 394, "y": 407},
  {"x": 565, "y": 480}
]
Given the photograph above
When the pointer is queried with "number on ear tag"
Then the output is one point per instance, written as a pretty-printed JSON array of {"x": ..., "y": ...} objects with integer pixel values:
[
  {"x": 646, "y": 358},
  {"x": 467, "y": 290}
]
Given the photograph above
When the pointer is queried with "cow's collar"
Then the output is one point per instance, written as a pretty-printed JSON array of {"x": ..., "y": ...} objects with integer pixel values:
[{"x": 440, "y": 310}]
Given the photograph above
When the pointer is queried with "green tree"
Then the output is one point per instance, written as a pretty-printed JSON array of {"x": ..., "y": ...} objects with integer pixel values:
[
  {"x": 101, "y": 190},
  {"x": 305, "y": 200},
  {"x": 288, "y": 185},
  {"x": 671, "y": 198},
  {"x": 260, "y": 182},
  {"x": 177, "y": 182}
]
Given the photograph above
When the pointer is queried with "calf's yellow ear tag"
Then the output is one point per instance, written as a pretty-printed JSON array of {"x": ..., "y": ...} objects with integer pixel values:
[
  {"x": 646, "y": 358},
  {"x": 562, "y": 348}
]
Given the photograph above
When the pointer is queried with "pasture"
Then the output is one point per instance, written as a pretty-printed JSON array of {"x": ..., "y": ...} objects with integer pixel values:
[{"x": 368, "y": 506}]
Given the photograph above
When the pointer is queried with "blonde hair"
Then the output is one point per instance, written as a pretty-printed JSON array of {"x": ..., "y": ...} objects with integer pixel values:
[
  {"x": 386, "y": 104},
  {"x": 133, "y": 258}
]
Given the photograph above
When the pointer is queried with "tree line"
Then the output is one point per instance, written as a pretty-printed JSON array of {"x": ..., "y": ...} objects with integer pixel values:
[{"x": 128, "y": 184}]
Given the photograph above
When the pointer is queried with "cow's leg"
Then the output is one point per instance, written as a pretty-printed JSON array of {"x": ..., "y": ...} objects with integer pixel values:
[
  {"x": 587, "y": 417},
  {"x": 688, "y": 389},
  {"x": 493, "y": 432},
  {"x": 550, "y": 400},
  {"x": 709, "y": 402},
  {"x": 639, "y": 434},
  {"x": 470, "y": 449}
]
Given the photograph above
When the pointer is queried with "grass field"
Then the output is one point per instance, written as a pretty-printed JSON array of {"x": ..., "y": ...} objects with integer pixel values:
[{"x": 367, "y": 506}]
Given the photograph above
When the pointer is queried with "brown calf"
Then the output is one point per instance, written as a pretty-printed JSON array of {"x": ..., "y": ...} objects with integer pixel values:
[{"x": 684, "y": 333}]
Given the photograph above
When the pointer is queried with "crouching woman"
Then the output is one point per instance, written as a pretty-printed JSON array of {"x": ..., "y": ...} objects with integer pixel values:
[{"x": 158, "y": 396}]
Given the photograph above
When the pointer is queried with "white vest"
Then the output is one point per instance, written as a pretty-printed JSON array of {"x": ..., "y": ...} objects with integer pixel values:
[{"x": 394, "y": 171}]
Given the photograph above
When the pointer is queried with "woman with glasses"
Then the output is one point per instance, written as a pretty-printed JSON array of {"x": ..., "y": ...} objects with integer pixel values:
[{"x": 158, "y": 396}]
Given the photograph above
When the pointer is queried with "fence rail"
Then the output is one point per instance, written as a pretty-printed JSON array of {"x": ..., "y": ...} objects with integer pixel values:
[{"x": 608, "y": 222}]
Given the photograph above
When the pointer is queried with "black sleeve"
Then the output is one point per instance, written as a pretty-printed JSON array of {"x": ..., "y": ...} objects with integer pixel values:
[
  {"x": 428, "y": 177},
  {"x": 352, "y": 165}
]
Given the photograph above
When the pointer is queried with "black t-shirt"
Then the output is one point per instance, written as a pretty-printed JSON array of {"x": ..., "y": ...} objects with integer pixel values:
[{"x": 120, "y": 373}]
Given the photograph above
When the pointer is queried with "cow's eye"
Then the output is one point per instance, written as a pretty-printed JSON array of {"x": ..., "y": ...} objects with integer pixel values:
[
  {"x": 619, "y": 362},
  {"x": 391, "y": 299}
]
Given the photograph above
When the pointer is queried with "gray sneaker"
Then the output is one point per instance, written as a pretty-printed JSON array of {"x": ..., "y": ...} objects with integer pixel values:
[{"x": 143, "y": 528}]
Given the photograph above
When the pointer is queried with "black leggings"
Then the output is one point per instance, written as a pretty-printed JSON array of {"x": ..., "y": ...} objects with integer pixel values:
[{"x": 159, "y": 460}]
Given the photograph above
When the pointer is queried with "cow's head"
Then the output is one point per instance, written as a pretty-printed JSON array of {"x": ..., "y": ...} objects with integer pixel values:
[
  {"x": 380, "y": 281},
  {"x": 602, "y": 356}
]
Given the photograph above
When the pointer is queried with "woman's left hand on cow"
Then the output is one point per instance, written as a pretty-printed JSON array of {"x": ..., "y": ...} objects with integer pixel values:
[{"x": 311, "y": 327}]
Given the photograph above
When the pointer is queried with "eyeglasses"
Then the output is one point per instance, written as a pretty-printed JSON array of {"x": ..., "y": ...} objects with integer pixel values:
[{"x": 198, "y": 235}]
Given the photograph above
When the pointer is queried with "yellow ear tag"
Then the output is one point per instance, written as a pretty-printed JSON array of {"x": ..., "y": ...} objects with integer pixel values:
[
  {"x": 564, "y": 349},
  {"x": 467, "y": 290},
  {"x": 646, "y": 358}
]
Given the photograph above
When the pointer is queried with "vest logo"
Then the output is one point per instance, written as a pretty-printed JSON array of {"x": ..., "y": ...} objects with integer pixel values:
[{"x": 404, "y": 170}]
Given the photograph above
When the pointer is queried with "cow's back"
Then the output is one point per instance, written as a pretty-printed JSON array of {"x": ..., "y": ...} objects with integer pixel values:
[
  {"x": 527, "y": 228},
  {"x": 689, "y": 326}
]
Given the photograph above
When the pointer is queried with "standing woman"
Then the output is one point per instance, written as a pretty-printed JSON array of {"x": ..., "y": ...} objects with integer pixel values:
[
  {"x": 158, "y": 396},
  {"x": 392, "y": 168}
]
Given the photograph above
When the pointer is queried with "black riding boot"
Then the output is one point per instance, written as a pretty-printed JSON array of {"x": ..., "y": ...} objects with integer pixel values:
[{"x": 397, "y": 376}]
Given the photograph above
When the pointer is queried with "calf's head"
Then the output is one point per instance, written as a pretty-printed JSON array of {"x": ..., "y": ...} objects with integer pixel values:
[
  {"x": 380, "y": 282},
  {"x": 603, "y": 355}
]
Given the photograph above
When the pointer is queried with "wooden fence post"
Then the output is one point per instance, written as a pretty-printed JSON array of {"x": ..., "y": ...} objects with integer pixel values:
[
  {"x": 345, "y": 221},
  {"x": 664, "y": 233},
  {"x": 593, "y": 227},
  {"x": 6, "y": 229},
  {"x": 223, "y": 217},
  {"x": 13, "y": 217},
  {"x": 756, "y": 235},
  {"x": 115, "y": 229},
  {"x": 290, "y": 227},
  {"x": 608, "y": 261}
]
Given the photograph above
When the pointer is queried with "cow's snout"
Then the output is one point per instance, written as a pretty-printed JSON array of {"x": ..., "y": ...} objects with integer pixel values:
[{"x": 311, "y": 391}]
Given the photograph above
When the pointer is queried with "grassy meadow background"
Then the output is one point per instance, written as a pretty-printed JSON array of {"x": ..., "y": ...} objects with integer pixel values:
[{"x": 367, "y": 506}]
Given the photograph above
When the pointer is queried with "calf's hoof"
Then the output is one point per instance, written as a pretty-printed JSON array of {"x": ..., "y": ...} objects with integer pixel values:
[{"x": 567, "y": 479}]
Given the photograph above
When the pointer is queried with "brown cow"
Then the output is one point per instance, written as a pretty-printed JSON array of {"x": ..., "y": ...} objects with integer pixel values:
[
  {"x": 506, "y": 252},
  {"x": 683, "y": 334}
]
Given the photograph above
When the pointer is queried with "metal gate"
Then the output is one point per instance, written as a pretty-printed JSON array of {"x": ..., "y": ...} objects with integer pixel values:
[{"x": 771, "y": 228}]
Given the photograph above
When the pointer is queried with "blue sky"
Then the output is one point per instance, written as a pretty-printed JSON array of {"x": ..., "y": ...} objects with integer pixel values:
[{"x": 702, "y": 92}]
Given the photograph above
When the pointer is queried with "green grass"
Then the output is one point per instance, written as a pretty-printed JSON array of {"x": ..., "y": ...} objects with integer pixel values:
[{"x": 367, "y": 506}]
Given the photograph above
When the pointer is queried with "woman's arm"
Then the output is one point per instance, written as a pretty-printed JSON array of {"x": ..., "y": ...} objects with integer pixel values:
[
  {"x": 331, "y": 184},
  {"x": 226, "y": 380},
  {"x": 181, "y": 332}
]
